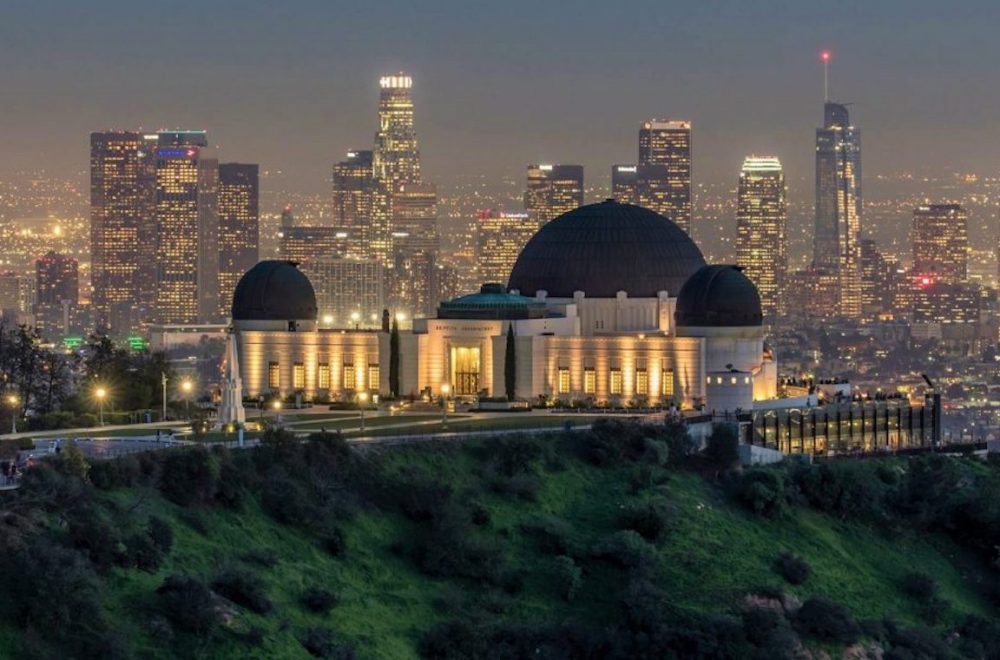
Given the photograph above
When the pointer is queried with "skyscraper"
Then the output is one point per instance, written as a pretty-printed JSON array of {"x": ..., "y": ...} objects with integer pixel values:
[
  {"x": 122, "y": 224},
  {"x": 239, "y": 226},
  {"x": 57, "y": 278},
  {"x": 187, "y": 222},
  {"x": 552, "y": 191},
  {"x": 354, "y": 192},
  {"x": 416, "y": 247},
  {"x": 668, "y": 143},
  {"x": 838, "y": 206},
  {"x": 761, "y": 235},
  {"x": 500, "y": 237},
  {"x": 940, "y": 243},
  {"x": 624, "y": 183},
  {"x": 395, "y": 159},
  {"x": 347, "y": 286}
]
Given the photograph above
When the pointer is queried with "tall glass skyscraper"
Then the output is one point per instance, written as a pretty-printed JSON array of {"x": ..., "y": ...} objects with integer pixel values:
[
  {"x": 836, "y": 247},
  {"x": 187, "y": 245},
  {"x": 553, "y": 190},
  {"x": 940, "y": 242},
  {"x": 761, "y": 233},
  {"x": 354, "y": 193},
  {"x": 239, "y": 226},
  {"x": 122, "y": 226},
  {"x": 668, "y": 144}
]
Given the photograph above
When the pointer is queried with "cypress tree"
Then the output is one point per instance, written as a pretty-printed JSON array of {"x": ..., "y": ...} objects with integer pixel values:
[
  {"x": 510, "y": 365},
  {"x": 394, "y": 359}
]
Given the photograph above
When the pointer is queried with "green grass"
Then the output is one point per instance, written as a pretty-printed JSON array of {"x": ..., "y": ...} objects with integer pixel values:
[
  {"x": 714, "y": 554},
  {"x": 370, "y": 422}
]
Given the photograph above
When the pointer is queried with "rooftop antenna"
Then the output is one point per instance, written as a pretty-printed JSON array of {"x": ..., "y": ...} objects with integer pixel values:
[{"x": 825, "y": 56}]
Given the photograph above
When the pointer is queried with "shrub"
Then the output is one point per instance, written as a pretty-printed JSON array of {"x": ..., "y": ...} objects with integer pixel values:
[
  {"x": 422, "y": 498},
  {"x": 335, "y": 543},
  {"x": 319, "y": 600},
  {"x": 680, "y": 444},
  {"x": 479, "y": 515},
  {"x": 826, "y": 620},
  {"x": 722, "y": 448},
  {"x": 161, "y": 533},
  {"x": 189, "y": 475},
  {"x": 243, "y": 589},
  {"x": 767, "y": 628},
  {"x": 553, "y": 535},
  {"x": 321, "y": 644},
  {"x": 793, "y": 568},
  {"x": 262, "y": 558},
  {"x": 649, "y": 519},
  {"x": 286, "y": 501},
  {"x": 624, "y": 548},
  {"x": 568, "y": 576},
  {"x": 522, "y": 485},
  {"x": 188, "y": 604},
  {"x": 919, "y": 586},
  {"x": 92, "y": 532},
  {"x": 512, "y": 455},
  {"x": 143, "y": 553},
  {"x": 763, "y": 491}
]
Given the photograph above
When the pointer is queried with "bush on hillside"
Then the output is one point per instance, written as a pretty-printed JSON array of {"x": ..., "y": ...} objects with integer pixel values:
[
  {"x": 161, "y": 533},
  {"x": 188, "y": 604},
  {"x": 243, "y": 588},
  {"x": 553, "y": 535},
  {"x": 919, "y": 586},
  {"x": 513, "y": 455},
  {"x": 568, "y": 576},
  {"x": 262, "y": 558},
  {"x": 763, "y": 491},
  {"x": 321, "y": 643},
  {"x": 649, "y": 519},
  {"x": 319, "y": 600},
  {"x": 680, "y": 444},
  {"x": 843, "y": 488},
  {"x": 189, "y": 475},
  {"x": 826, "y": 620},
  {"x": 91, "y": 531},
  {"x": 793, "y": 568},
  {"x": 722, "y": 448},
  {"x": 285, "y": 499},
  {"x": 624, "y": 548},
  {"x": 142, "y": 552},
  {"x": 335, "y": 543}
]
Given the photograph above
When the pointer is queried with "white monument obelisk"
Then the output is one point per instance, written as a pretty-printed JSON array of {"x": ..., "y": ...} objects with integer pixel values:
[{"x": 231, "y": 409}]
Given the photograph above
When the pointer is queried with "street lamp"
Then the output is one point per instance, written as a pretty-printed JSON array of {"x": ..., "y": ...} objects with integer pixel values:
[
  {"x": 355, "y": 317},
  {"x": 187, "y": 386},
  {"x": 13, "y": 401},
  {"x": 445, "y": 389},
  {"x": 328, "y": 320},
  {"x": 100, "y": 393},
  {"x": 362, "y": 399}
]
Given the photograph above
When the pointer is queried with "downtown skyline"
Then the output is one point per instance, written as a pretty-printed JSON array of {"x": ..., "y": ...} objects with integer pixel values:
[{"x": 521, "y": 92}]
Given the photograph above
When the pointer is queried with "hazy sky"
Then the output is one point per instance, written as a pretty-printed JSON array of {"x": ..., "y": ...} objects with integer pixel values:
[{"x": 293, "y": 84}]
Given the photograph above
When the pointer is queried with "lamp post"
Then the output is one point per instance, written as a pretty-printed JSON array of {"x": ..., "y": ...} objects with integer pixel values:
[
  {"x": 445, "y": 389},
  {"x": 100, "y": 393},
  {"x": 163, "y": 380},
  {"x": 355, "y": 317},
  {"x": 362, "y": 400},
  {"x": 13, "y": 401},
  {"x": 328, "y": 320},
  {"x": 187, "y": 386}
]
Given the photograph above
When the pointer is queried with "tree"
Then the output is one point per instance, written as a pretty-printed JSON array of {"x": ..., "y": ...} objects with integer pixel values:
[
  {"x": 723, "y": 446},
  {"x": 510, "y": 365},
  {"x": 394, "y": 359}
]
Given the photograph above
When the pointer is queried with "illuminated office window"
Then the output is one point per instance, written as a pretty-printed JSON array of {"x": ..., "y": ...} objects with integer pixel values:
[
  {"x": 324, "y": 376},
  {"x": 642, "y": 382},
  {"x": 589, "y": 381},
  {"x": 616, "y": 381},
  {"x": 350, "y": 377},
  {"x": 273, "y": 376},
  {"x": 373, "y": 376},
  {"x": 667, "y": 382},
  {"x": 563, "y": 381}
]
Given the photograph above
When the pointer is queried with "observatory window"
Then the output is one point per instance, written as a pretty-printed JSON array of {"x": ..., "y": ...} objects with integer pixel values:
[
  {"x": 589, "y": 381},
  {"x": 299, "y": 376},
  {"x": 273, "y": 376},
  {"x": 563, "y": 380},
  {"x": 616, "y": 381},
  {"x": 324, "y": 376}
]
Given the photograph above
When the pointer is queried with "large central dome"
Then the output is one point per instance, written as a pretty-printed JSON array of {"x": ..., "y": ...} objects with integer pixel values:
[{"x": 605, "y": 248}]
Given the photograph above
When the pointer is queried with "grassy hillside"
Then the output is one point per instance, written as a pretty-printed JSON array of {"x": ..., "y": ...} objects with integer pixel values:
[{"x": 422, "y": 546}]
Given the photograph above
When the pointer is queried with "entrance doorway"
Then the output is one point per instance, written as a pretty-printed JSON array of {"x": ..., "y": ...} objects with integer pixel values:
[{"x": 465, "y": 370}]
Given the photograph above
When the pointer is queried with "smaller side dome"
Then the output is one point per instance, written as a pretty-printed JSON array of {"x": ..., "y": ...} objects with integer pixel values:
[
  {"x": 718, "y": 296},
  {"x": 274, "y": 290}
]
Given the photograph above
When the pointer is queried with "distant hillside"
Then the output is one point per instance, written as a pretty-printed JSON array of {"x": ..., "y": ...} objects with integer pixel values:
[{"x": 612, "y": 543}]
